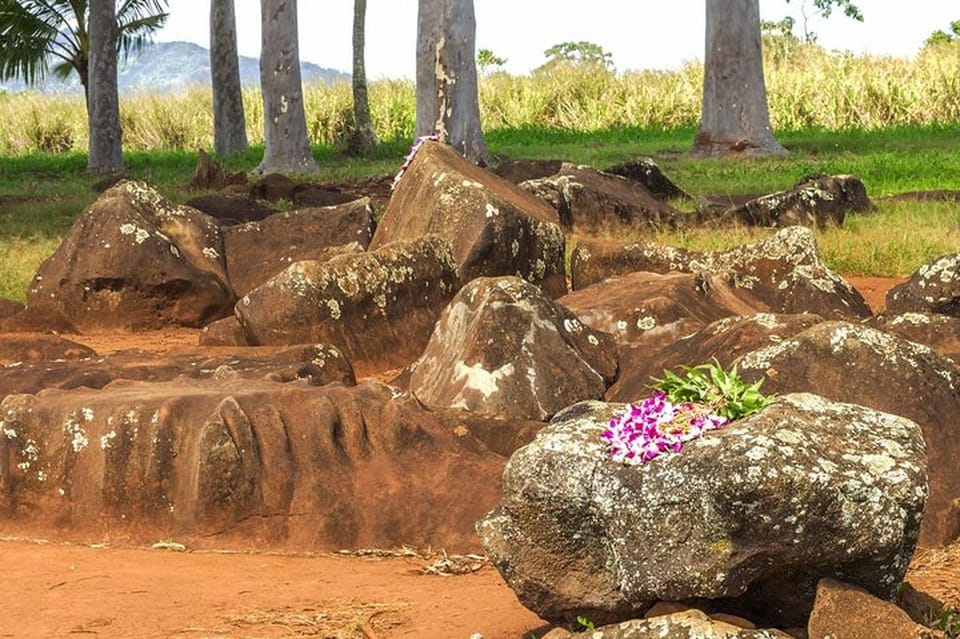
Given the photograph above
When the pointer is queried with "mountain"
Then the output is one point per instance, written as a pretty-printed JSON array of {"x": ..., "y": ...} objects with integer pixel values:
[{"x": 171, "y": 67}]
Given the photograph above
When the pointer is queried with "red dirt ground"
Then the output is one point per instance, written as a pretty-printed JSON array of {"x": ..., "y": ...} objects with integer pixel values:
[{"x": 51, "y": 589}]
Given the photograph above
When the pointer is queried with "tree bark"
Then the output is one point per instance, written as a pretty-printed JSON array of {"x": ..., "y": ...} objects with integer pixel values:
[
  {"x": 448, "y": 102},
  {"x": 105, "y": 154},
  {"x": 284, "y": 122},
  {"x": 229, "y": 122},
  {"x": 363, "y": 136},
  {"x": 735, "y": 117}
]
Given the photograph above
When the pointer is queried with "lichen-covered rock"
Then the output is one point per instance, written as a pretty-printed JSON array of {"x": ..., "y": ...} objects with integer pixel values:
[
  {"x": 724, "y": 340},
  {"x": 257, "y": 251},
  {"x": 503, "y": 348},
  {"x": 493, "y": 227},
  {"x": 658, "y": 309},
  {"x": 939, "y": 332},
  {"x": 588, "y": 200},
  {"x": 842, "y": 611},
  {"x": 17, "y": 348},
  {"x": 225, "y": 462},
  {"x": 785, "y": 271},
  {"x": 379, "y": 308},
  {"x": 689, "y": 624},
  {"x": 933, "y": 288},
  {"x": 134, "y": 260},
  {"x": 817, "y": 201},
  {"x": 854, "y": 363},
  {"x": 647, "y": 173},
  {"x": 753, "y": 514}
]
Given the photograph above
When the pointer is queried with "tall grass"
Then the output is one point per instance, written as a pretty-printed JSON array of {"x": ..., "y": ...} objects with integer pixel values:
[{"x": 809, "y": 88}]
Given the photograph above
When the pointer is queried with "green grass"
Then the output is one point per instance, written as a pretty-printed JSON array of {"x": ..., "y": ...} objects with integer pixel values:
[{"x": 42, "y": 194}]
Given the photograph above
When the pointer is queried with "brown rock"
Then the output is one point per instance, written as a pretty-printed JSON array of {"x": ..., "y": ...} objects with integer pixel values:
[
  {"x": 9, "y": 308},
  {"x": 38, "y": 347},
  {"x": 687, "y": 624},
  {"x": 517, "y": 170},
  {"x": 842, "y": 611},
  {"x": 257, "y": 251},
  {"x": 229, "y": 209},
  {"x": 933, "y": 288},
  {"x": 210, "y": 174},
  {"x": 493, "y": 227},
  {"x": 645, "y": 171},
  {"x": 223, "y": 332},
  {"x": 939, "y": 332}
]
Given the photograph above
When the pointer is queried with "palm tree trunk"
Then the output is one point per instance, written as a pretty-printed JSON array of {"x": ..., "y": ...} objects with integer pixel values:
[
  {"x": 229, "y": 122},
  {"x": 363, "y": 136},
  {"x": 105, "y": 153}
]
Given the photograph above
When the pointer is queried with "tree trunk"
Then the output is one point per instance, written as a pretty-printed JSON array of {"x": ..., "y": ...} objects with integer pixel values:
[
  {"x": 284, "y": 122},
  {"x": 362, "y": 137},
  {"x": 229, "y": 123},
  {"x": 735, "y": 117},
  {"x": 447, "y": 97},
  {"x": 105, "y": 153}
]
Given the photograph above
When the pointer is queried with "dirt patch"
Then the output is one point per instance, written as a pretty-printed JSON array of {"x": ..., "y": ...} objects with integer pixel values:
[{"x": 874, "y": 289}]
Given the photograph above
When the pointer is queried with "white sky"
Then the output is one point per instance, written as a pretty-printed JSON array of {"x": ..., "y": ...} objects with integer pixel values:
[{"x": 641, "y": 34}]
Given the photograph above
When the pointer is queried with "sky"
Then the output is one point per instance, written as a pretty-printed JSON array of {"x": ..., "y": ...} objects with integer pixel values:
[{"x": 641, "y": 34}]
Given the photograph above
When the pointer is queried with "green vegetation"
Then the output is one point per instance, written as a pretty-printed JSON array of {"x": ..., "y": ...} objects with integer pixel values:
[{"x": 723, "y": 391}]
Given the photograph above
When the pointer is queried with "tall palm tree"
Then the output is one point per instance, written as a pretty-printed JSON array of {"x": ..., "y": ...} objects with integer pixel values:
[{"x": 44, "y": 36}]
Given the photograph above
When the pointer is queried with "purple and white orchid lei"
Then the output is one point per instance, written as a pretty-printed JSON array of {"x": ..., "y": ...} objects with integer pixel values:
[
  {"x": 413, "y": 153},
  {"x": 657, "y": 426}
]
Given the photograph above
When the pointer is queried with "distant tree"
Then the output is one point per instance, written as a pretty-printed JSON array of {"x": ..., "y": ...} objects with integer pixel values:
[
  {"x": 578, "y": 54},
  {"x": 779, "y": 41},
  {"x": 105, "y": 153},
  {"x": 229, "y": 120},
  {"x": 447, "y": 97},
  {"x": 824, "y": 9},
  {"x": 36, "y": 33},
  {"x": 942, "y": 37},
  {"x": 487, "y": 59},
  {"x": 287, "y": 148},
  {"x": 362, "y": 136}
]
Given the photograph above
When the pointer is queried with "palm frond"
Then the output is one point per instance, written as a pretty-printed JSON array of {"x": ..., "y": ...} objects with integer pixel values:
[
  {"x": 137, "y": 20},
  {"x": 32, "y": 31}
]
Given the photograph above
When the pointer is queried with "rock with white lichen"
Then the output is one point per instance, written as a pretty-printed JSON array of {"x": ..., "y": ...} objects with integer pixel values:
[
  {"x": 939, "y": 332},
  {"x": 256, "y": 251},
  {"x": 688, "y": 624},
  {"x": 502, "y": 348},
  {"x": 784, "y": 271},
  {"x": 589, "y": 200},
  {"x": 377, "y": 307},
  {"x": 646, "y": 172},
  {"x": 493, "y": 227},
  {"x": 655, "y": 309},
  {"x": 933, "y": 288},
  {"x": 854, "y": 363},
  {"x": 749, "y": 517},
  {"x": 133, "y": 260}
]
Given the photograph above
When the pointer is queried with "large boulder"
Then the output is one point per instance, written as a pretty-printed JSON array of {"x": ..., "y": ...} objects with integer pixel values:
[
  {"x": 133, "y": 260},
  {"x": 257, "y": 251},
  {"x": 939, "y": 332},
  {"x": 494, "y": 227},
  {"x": 933, "y": 288},
  {"x": 379, "y": 308},
  {"x": 17, "y": 348},
  {"x": 749, "y": 517},
  {"x": 848, "y": 362},
  {"x": 242, "y": 462},
  {"x": 785, "y": 271},
  {"x": 843, "y": 611},
  {"x": 816, "y": 201},
  {"x": 687, "y": 624},
  {"x": 724, "y": 341},
  {"x": 658, "y": 309},
  {"x": 589, "y": 200},
  {"x": 503, "y": 348},
  {"x": 647, "y": 173}
]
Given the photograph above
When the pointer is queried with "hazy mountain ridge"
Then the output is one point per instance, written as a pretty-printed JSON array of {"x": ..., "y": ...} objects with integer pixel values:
[{"x": 170, "y": 67}]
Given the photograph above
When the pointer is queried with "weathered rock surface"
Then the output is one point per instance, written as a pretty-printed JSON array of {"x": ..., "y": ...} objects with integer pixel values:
[
  {"x": 658, "y": 309},
  {"x": 257, "y": 251},
  {"x": 853, "y": 363},
  {"x": 223, "y": 332},
  {"x": 939, "y": 332},
  {"x": 37, "y": 347},
  {"x": 379, "y": 308},
  {"x": 40, "y": 316},
  {"x": 315, "y": 364},
  {"x": 133, "y": 260},
  {"x": 517, "y": 170},
  {"x": 283, "y": 464},
  {"x": 690, "y": 624},
  {"x": 753, "y": 514},
  {"x": 647, "y": 173},
  {"x": 933, "y": 288},
  {"x": 9, "y": 308},
  {"x": 493, "y": 227},
  {"x": 842, "y": 611},
  {"x": 785, "y": 271},
  {"x": 503, "y": 348},
  {"x": 228, "y": 208},
  {"x": 589, "y": 200},
  {"x": 817, "y": 201},
  {"x": 724, "y": 340}
]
